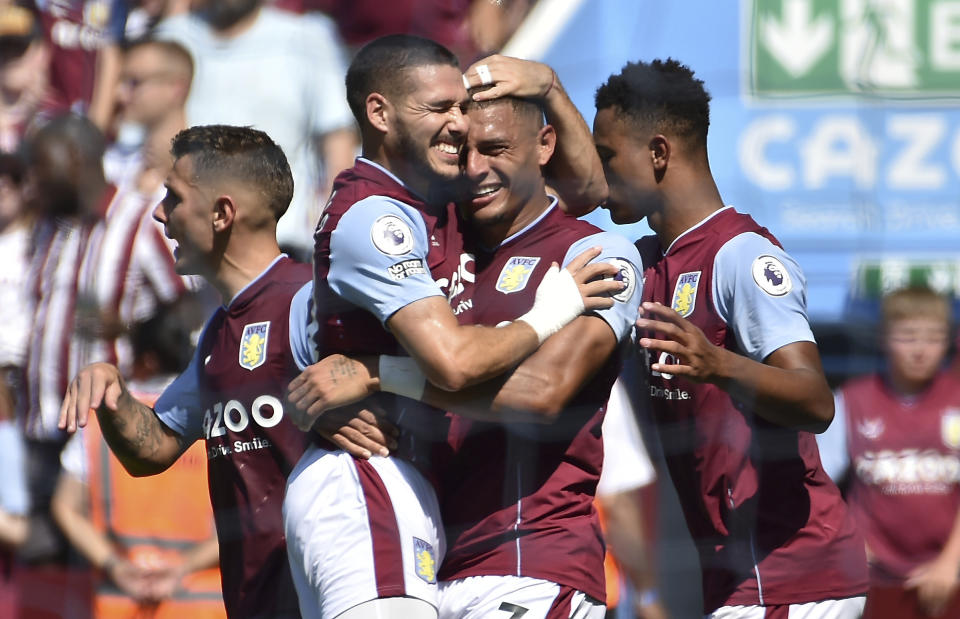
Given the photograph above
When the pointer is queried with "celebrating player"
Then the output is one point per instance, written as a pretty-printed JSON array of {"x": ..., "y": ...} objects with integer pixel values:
[
  {"x": 227, "y": 189},
  {"x": 517, "y": 498},
  {"x": 390, "y": 275},
  {"x": 734, "y": 374}
]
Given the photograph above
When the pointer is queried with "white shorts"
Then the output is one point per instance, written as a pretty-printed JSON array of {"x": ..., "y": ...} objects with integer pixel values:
[
  {"x": 847, "y": 608},
  {"x": 359, "y": 530},
  {"x": 515, "y": 597}
]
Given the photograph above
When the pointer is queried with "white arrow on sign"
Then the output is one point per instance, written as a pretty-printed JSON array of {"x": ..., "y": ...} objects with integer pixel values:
[{"x": 797, "y": 41}]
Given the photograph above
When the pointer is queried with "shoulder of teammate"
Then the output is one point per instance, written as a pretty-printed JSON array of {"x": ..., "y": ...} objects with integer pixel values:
[
  {"x": 180, "y": 406},
  {"x": 302, "y": 327},
  {"x": 616, "y": 250},
  {"x": 760, "y": 292},
  {"x": 378, "y": 256}
]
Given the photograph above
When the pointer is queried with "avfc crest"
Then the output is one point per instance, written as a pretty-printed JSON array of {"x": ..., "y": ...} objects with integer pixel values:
[
  {"x": 516, "y": 273},
  {"x": 685, "y": 293},
  {"x": 950, "y": 428},
  {"x": 425, "y": 561},
  {"x": 253, "y": 345}
]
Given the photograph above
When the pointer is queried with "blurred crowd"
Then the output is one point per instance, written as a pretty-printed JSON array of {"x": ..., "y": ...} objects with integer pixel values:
[{"x": 91, "y": 94}]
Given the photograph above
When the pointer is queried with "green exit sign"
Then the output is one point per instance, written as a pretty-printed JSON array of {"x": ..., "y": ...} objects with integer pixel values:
[
  {"x": 887, "y": 48},
  {"x": 876, "y": 278}
]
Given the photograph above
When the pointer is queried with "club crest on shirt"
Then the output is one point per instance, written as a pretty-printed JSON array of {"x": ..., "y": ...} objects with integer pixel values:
[
  {"x": 950, "y": 428},
  {"x": 426, "y": 560},
  {"x": 253, "y": 345},
  {"x": 391, "y": 235},
  {"x": 870, "y": 429},
  {"x": 685, "y": 293},
  {"x": 516, "y": 273},
  {"x": 770, "y": 274}
]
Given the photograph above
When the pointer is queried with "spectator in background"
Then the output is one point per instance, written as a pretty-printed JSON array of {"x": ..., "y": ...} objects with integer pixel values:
[
  {"x": 84, "y": 38},
  {"x": 469, "y": 28},
  {"x": 146, "y": 14},
  {"x": 67, "y": 193},
  {"x": 14, "y": 313},
  {"x": 160, "y": 562},
  {"x": 152, "y": 92},
  {"x": 280, "y": 73},
  {"x": 24, "y": 63},
  {"x": 625, "y": 479},
  {"x": 897, "y": 435}
]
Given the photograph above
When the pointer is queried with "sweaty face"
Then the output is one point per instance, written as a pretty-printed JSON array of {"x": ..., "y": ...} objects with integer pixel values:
[
  {"x": 501, "y": 165},
  {"x": 915, "y": 348},
  {"x": 628, "y": 168},
  {"x": 186, "y": 215},
  {"x": 430, "y": 127}
]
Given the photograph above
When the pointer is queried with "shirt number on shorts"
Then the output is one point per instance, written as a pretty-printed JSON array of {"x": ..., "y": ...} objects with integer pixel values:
[{"x": 518, "y": 611}]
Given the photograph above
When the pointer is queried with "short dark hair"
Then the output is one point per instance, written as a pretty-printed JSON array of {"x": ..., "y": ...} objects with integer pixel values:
[
  {"x": 381, "y": 65},
  {"x": 242, "y": 153},
  {"x": 662, "y": 94}
]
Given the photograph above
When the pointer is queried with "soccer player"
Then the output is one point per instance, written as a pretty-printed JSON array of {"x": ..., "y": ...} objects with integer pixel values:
[
  {"x": 897, "y": 435},
  {"x": 391, "y": 275},
  {"x": 734, "y": 374},
  {"x": 225, "y": 193},
  {"x": 517, "y": 499}
]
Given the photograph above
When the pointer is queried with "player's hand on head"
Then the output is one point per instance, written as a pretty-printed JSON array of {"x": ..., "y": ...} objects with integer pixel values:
[
  {"x": 361, "y": 430},
  {"x": 694, "y": 357},
  {"x": 509, "y": 76},
  {"x": 332, "y": 382},
  {"x": 96, "y": 385}
]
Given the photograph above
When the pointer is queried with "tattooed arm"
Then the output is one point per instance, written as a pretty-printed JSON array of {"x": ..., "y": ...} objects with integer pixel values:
[{"x": 142, "y": 443}]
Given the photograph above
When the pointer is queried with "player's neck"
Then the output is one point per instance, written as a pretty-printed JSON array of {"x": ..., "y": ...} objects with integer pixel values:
[
  {"x": 684, "y": 206},
  {"x": 494, "y": 234},
  {"x": 242, "y": 262},
  {"x": 908, "y": 387}
]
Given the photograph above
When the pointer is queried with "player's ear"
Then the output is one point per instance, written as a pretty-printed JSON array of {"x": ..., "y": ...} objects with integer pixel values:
[
  {"x": 660, "y": 151},
  {"x": 378, "y": 111},
  {"x": 546, "y": 143},
  {"x": 224, "y": 213}
]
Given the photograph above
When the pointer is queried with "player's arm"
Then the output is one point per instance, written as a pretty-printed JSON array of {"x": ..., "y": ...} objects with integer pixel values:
[
  {"x": 140, "y": 441},
  {"x": 574, "y": 172},
  {"x": 764, "y": 303},
  {"x": 537, "y": 390},
  {"x": 378, "y": 255}
]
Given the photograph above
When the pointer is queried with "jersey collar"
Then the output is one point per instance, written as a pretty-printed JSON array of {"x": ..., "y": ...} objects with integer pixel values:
[
  {"x": 253, "y": 281},
  {"x": 697, "y": 225}
]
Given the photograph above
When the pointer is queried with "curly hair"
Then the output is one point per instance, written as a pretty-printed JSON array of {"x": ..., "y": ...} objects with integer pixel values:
[{"x": 661, "y": 94}]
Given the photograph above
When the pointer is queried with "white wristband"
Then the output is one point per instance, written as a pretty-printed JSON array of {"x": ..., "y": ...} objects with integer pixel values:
[
  {"x": 558, "y": 302},
  {"x": 402, "y": 376}
]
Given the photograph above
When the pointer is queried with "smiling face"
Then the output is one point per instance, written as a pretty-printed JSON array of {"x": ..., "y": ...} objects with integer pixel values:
[
  {"x": 429, "y": 127},
  {"x": 504, "y": 152},
  {"x": 186, "y": 213},
  {"x": 627, "y": 166}
]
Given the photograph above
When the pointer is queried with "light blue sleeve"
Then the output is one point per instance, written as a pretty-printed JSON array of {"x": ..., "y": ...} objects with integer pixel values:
[
  {"x": 13, "y": 491},
  {"x": 378, "y": 257},
  {"x": 761, "y": 293},
  {"x": 180, "y": 406},
  {"x": 621, "y": 252},
  {"x": 302, "y": 327},
  {"x": 833, "y": 443}
]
